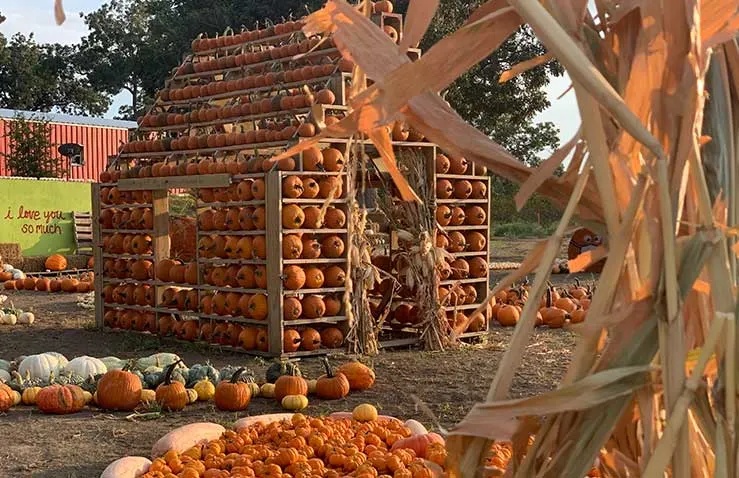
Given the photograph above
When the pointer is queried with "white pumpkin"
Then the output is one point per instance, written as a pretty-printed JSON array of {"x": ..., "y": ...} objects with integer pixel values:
[
  {"x": 18, "y": 274},
  {"x": 162, "y": 359},
  {"x": 7, "y": 268},
  {"x": 10, "y": 319},
  {"x": 127, "y": 467},
  {"x": 39, "y": 366},
  {"x": 26, "y": 318},
  {"x": 61, "y": 358},
  {"x": 113, "y": 363},
  {"x": 2, "y": 317},
  {"x": 85, "y": 366},
  {"x": 4, "y": 376},
  {"x": 4, "y": 365}
]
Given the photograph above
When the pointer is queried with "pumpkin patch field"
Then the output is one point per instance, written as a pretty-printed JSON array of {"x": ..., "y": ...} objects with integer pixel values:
[{"x": 84, "y": 443}]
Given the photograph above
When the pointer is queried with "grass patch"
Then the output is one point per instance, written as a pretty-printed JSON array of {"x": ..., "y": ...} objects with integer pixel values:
[
  {"x": 523, "y": 229},
  {"x": 182, "y": 205}
]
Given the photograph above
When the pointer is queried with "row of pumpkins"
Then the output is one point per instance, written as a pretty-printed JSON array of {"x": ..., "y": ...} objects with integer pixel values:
[
  {"x": 125, "y": 386},
  {"x": 223, "y": 333},
  {"x": 255, "y": 218},
  {"x": 81, "y": 285},
  {"x": 557, "y": 308}
]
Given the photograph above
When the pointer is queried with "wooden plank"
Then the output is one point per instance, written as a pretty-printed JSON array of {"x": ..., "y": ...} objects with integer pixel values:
[
  {"x": 176, "y": 182},
  {"x": 97, "y": 256},
  {"x": 274, "y": 261},
  {"x": 160, "y": 236}
]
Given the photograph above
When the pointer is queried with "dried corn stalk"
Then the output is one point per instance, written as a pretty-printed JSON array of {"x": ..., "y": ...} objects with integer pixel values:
[{"x": 649, "y": 76}]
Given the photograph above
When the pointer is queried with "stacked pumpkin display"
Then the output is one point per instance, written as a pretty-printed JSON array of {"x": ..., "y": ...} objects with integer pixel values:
[
  {"x": 228, "y": 109},
  {"x": 558, "y": 307},
  {"x": 462, "y": 199}
]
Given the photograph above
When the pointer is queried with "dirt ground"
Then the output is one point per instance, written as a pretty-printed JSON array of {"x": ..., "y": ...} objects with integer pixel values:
[{"x": 83, "y": 444}]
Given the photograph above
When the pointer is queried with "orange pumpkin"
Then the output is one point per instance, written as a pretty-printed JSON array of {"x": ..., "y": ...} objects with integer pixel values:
[
  {"x": 313, "y": 219},
  {"x": 444, "y": 189},
  {"x": 460, "y": 269},
  {"x": 312, "y": 159},
  {"x": 335, "y": 218},
  {"x": 333, "y": 305},
  {"x": 332, "y": 246},
  {"x": 248, "y": 338},
  {"x": 56, "y": 262},
  {"x": 479, "y": 190},
  {"x": 293, "y": 217},
  {"x": 245, "y": 277},
  {"x": 457, "y": 242},
  {"x": 311, "y": 248},
  {"x": 314, "y": 277},
  {"x": 334, "y": 276},
  {"x": 258, "y": 307},
  {"x": 292, "y": 187},
  {"x": 259, "y": 247},
  {"x": 443, "y": 215},
  {"x": 292, "y": 246},
  {"x": 478, "y": 267},
  {"x": 330, "y": 187},
  {"x": 332, "y": 338},
  {"x": 311, "y": 188},
  {"x": 333, "y": 160},
  {"x": 442, "y": 164},
  {"x": 476, "y": 241},
  {"x": 258, "y": 189},
  {"x": 458, "y": 165},
  {"x": 293, "y": 277},
  {"x": 291, "y": 340},
  {"x": 292, "y": 309},
  {"x": 313, "y": 307},
  {"x": 475, "y": 215}
]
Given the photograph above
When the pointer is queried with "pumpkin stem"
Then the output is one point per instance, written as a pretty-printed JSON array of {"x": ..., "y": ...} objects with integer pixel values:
[
  {"x": 237, "y": 374},
  {"x": 549, "y": 296},
  {"x": 327, "y": 366},
  {"x": 168, "y": 374}
]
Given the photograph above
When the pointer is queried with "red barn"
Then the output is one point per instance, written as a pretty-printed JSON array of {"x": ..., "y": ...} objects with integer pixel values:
[{"x": 99, "y": 139}]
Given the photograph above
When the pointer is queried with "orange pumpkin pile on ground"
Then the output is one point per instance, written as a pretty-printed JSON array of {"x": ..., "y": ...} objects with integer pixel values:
[
  {"x": 558, "y": 307},
  {"x": 81, "y": 284}
]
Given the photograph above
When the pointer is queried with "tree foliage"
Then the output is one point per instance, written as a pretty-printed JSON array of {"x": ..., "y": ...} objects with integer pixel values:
[
  {"x": 29, "y": 146},
  {"x": 42, "y": 77}
]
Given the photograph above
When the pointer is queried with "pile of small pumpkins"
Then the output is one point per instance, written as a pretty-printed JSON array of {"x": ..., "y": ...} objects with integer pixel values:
[
  {"x": 222, "y": 333},
  {"x": 359, "y": 443},
  {"x": 558, "y": 307},
  {"x": 127, "y": 385},
  {"x": 12, "y": 316},
  {"x": 82, "y": 284}
]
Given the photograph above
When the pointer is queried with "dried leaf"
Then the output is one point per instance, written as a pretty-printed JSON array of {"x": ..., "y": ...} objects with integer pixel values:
[
  {"x": 525, "y": 66},
  {"x": 719, "y": 22},
  {"x": 417, "y": 20},
  {"x": 586, "y": 259},
  {"x": 382, "y": 141},
  {"x": 59, "y": 15}
]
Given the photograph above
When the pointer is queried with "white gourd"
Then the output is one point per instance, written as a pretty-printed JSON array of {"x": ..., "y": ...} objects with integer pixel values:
[
  {"x": 18, "y": 274},
  {"x": 2, "y": 317},
  {"x": 162, "y": 359},
  {"x": 4, "y": 365},
  {"x": 7, "y": 268},
  {"x": 85, "y": 366},
  {"x": 61, "y": 358},
  {"x": 4, "y": 376},
  {"x": 10, "y": 319},
  {"x": 39, "y": 366},
  {"x": 26, "y": 318},
  {"x": 113, "y": 363}
]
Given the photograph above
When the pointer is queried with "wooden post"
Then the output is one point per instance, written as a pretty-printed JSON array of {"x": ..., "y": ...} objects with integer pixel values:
[
  {"x": 273, "y": 207},
  {"x": 160, "y": 237},
  {"x": 97, "y": 254}
]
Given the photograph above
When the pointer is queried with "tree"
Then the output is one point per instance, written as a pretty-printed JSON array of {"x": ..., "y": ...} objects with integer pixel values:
[
  {"x": 117, "y": 54},
  {"x": 43, "y": 77},
  {"x": 30, "y": 149}
]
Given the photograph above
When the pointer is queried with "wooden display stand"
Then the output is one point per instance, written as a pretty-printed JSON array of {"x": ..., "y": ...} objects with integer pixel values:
[{"x": 229, "y": 113}]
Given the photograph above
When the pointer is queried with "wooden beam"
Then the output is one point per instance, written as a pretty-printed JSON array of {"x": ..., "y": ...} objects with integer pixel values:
[
  {"x": 160, "y": 237},
  {"x": 97, "y": 254},
  {"x": 222, "y": 180},
  {"x": 274, "y": 261}
]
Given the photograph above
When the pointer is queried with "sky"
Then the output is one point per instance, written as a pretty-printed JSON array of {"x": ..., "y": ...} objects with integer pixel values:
[{"x": 36, "y": 16}]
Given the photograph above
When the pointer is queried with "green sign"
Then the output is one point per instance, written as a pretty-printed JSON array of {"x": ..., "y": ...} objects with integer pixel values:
[{"x": 38, "y": 214}]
